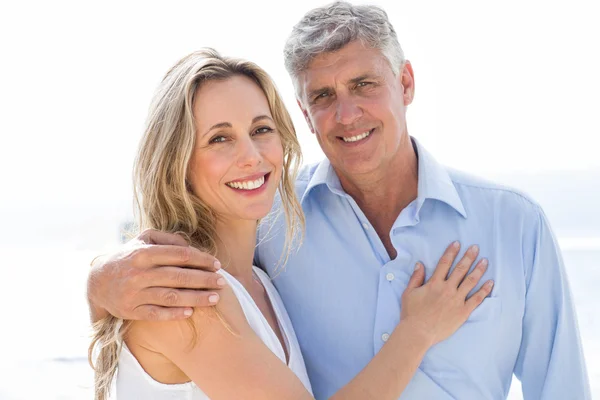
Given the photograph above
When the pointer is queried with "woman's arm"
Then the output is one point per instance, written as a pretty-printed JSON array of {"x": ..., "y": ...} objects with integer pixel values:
[
  {"x": 430, "y": 313},
  {"x": 219, "y": 351},
  {"x": 228, "y": 360}
]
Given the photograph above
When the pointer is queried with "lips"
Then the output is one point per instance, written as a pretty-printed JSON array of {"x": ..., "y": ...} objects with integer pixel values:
[
  {"x": 356, "y": 137},
  {"x": 249, "y": 183}
]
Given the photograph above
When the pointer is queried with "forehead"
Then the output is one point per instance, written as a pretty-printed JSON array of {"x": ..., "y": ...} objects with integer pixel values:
[
  {"x": 236, "y": 100},
  {"x": 350, "y": 61}
]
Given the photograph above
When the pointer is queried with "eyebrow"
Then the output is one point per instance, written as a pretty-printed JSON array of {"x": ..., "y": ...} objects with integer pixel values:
[
  {"x": 228, "y": 125},
  {"x": 261, "y": 117},
  {"x": 315, "y": 92},
  {"x": 359, "y": 78}
]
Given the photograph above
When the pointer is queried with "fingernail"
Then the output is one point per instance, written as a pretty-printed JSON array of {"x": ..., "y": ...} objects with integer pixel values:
[
  {"x": 456, "y": 244},
  {"x": 221, "y": 282},
  {"x": 213, "y": 298},
  {"x": 483, "y": 263},
  {"x": 217, "y": 264},
  {"x": 489, "y": 284},
  {"x": 474, "y": 248},
  {"x": 418, "y": 266},
  {"x": 188, "y": 312}
]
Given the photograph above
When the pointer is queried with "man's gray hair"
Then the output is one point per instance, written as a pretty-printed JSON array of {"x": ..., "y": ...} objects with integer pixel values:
[{"x": 329, "y": 28}]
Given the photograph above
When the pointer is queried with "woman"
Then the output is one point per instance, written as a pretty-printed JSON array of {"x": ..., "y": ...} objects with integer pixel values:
[{"x": 217, "y": 147}]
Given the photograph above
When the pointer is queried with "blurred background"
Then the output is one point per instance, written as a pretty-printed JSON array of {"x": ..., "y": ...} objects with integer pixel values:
[{"x": 505, "y": 90}]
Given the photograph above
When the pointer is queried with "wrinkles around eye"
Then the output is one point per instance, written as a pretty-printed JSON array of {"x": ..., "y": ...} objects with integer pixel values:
[{"x": 217, "y": 139}]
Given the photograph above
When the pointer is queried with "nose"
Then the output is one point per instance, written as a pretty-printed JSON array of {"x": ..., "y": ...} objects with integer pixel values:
[
  {"x": 248, "y": 153},
  {"x": 347, "y": 110}
]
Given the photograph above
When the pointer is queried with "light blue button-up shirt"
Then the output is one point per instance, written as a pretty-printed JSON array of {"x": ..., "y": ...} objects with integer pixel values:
[{"x": 343, "y": 293}]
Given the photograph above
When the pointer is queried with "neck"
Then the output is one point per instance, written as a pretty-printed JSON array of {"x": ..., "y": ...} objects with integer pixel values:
[
  {"x": 383, "y": 193},
  {"x": 236, "y": 240}
]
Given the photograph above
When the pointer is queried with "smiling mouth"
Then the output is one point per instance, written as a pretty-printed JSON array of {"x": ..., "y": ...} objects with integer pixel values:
[
  {"x": 249, "y": 184},
  {"x": 356, "y": 138}
]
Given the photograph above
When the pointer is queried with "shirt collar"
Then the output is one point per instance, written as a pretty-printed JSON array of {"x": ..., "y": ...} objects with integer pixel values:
[
  {"x": 434, "y": 181},
  {"x": 324, "y": 175}
]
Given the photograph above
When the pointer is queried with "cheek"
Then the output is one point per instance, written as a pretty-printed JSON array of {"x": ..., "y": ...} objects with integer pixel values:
[
  {"x": 206, "y": 173},
  {"x": 272, "y": 151},
  {"x": 392, "y": 105},
  {"x": 320, "y": 118},
  {"x": 379, "y": 105}
]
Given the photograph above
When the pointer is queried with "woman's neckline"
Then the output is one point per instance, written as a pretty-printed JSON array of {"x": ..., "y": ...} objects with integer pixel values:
[{"x": 276, "y": 311}]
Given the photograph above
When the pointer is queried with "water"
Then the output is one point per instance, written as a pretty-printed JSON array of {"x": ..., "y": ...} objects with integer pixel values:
[{"x": 45, "y": 332}]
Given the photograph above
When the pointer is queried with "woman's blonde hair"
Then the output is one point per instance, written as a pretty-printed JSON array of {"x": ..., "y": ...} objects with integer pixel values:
[{"x": 163, "y": 198}]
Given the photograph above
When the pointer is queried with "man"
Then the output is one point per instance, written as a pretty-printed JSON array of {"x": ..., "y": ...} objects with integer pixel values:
[{"x": 374, "y": 207}]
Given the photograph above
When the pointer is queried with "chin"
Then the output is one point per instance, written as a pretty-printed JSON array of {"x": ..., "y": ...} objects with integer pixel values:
[
  {"x": 360, "y": 165},
  {"x": 255, "y": 212}
]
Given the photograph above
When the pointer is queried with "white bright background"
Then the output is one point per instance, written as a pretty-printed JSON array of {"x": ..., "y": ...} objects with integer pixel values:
[{"x": 501, "y": 87}]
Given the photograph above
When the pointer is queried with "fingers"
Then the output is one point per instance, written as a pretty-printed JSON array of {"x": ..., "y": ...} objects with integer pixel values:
[
  {"x": 479, "y": 296},
  {"x": 157, "y": 255},
  {"x": 152, "y": 236},
  {"x": 183, "y": 278},
  {"x": 418, "y": 276},
  {"x": 176, "y": 298},
  {"x": 473, "y": 278},
  {"x": 441, "y": 271},
  {"x": 463, "y": 266},
  {"x": 148, "y": 312}
]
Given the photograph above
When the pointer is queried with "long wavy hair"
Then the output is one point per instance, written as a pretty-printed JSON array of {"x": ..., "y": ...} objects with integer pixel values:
[{"x": 163, "y": 197}]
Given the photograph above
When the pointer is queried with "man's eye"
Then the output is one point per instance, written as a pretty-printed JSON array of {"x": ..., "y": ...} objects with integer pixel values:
[
  {"x": 363, "y": 84},
  {"x": 321, "y": 96},
  {"x": 218, "y": 139}
]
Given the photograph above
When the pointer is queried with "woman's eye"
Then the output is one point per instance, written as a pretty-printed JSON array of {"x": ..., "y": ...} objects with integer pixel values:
[
  {"x": 264, "y": 129},
  {"x": 218, "y": 139}
]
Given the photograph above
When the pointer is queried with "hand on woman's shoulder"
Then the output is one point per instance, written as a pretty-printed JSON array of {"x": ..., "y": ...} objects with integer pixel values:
[
  {"x": 218, "y": 350},
  {"x": 227, "y": 318}
]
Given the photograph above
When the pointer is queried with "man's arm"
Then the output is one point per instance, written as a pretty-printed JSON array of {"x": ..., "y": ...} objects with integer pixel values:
[
  {"x": 236, "y": 363},
  {"x": 155, "y": 276},
  {"x": 550, "y": 364}
]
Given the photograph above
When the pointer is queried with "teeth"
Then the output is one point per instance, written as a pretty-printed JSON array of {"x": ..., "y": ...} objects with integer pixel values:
[
  {"x": 247, "y": 185},
  {"x": 357, "y": 137}
]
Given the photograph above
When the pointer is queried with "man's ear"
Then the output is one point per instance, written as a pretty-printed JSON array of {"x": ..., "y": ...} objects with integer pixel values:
[
  {"x": 407, "y": 78},
  {"x": 306, "y": 117}
]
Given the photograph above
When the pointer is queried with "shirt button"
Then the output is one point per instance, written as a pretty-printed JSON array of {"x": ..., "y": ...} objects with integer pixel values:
[
  {"x": 385, "y": 337},
  {"x": 390, "y": 277},
  {"x": 365, "y": 225}
]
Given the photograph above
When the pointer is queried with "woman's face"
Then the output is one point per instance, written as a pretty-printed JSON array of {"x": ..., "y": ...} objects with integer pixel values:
[{"x": 237, "y": 162}]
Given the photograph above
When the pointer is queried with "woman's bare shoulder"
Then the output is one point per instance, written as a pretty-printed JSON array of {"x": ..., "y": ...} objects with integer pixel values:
[{"x": 226, "y": 318}]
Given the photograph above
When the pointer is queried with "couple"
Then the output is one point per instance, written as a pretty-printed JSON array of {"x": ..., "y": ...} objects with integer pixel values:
[{"x": 219, "y": 144}]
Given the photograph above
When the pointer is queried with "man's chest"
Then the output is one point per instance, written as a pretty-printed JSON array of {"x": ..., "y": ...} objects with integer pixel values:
[{"x": 343, "y": 293}]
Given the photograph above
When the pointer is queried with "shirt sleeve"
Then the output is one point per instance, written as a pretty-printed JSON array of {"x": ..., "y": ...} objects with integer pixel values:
[{"x": 550, "y": 364}]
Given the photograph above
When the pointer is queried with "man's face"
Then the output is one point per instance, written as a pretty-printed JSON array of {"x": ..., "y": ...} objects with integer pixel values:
[{"x": 356, "y": 107}]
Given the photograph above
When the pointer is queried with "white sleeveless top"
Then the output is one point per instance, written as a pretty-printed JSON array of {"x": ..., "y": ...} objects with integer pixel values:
[{"x": 132, "y": 382}]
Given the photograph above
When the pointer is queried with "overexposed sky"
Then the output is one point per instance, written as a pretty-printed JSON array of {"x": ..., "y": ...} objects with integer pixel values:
[{"x": 500, "y": 86}]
